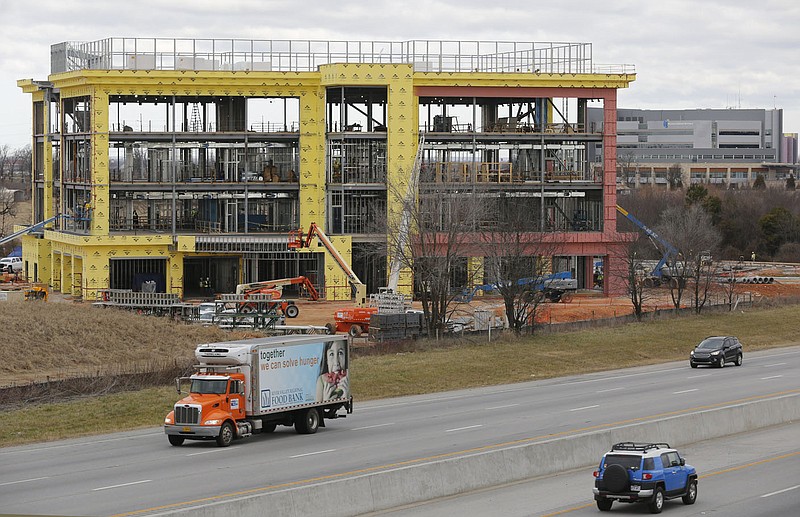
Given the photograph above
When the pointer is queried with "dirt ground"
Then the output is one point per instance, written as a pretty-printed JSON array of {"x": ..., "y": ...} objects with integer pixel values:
[
  {"x": 583, "y": 305},
  {"x": 591, "y": 304}
]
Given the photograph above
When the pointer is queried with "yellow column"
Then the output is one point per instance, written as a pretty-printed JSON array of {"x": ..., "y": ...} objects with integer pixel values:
[
  {"x": 95, "y": 275},
  {"x": 66, "y": 274},
  {"x": 55, "y": 267},
  {"x": 312, "y": 158},
  {"x": 77, "y": 275},
  {"x": 47, "y": 167},
  {"x": 337, "y": 286},
  {"x": 100, "y": 204},
  {"x": 175, "y": 274},
  {"x": 475, "y": 272},
  {"x": 401, "y": 150}
]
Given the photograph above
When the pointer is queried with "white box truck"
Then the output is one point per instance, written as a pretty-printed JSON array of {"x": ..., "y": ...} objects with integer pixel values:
[{"x": 254, "y": 385}]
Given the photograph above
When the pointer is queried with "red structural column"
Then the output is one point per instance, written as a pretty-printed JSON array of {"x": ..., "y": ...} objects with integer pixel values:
[{"x": 614, "y": 262}]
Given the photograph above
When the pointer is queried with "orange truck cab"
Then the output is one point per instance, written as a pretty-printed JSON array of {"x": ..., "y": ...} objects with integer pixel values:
[{"x": 252, "y": 386}]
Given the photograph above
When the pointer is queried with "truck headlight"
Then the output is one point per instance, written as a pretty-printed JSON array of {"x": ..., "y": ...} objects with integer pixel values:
[
  {"x": 211, "y": 422},
  {"x": 167, "y": 420}
]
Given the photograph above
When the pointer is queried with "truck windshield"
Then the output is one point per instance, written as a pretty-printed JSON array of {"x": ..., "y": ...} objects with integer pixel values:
[{"x": 218, "y": 386}]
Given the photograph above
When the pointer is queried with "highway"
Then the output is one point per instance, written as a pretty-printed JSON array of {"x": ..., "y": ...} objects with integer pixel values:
[
  {"x": 140, "y": 472},
  {"x": 756, "y": 473}
]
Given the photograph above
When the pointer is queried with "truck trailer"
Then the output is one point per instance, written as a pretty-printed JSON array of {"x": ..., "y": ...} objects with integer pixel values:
[{"x": 252, "y": 386}]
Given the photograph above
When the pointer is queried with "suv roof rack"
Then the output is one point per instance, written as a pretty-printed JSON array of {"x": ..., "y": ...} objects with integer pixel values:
[{"x": 642, "y": 447}]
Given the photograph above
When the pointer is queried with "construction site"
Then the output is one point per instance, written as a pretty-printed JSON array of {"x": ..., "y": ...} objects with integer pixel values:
[
  {"x": 183, "y": 165},
  {"x": 247, "y": 181}
]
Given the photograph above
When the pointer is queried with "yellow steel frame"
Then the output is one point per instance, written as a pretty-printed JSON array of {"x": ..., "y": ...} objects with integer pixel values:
[{"x": 80, "y": 264}]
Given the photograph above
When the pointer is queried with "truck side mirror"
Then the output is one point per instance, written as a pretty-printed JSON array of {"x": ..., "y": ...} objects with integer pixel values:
[{"x": 178, "y": 384}]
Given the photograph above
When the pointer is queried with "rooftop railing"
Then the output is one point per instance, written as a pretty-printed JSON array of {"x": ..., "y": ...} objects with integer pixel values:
[{"x": 308, "y": 55}]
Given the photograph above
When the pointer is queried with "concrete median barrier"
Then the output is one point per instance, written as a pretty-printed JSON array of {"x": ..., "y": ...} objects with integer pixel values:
[{"x": 491, "y": 466}]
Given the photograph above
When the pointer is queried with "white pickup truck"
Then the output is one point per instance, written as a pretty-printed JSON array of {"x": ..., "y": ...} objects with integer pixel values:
[{"x": 11, "y": 265}]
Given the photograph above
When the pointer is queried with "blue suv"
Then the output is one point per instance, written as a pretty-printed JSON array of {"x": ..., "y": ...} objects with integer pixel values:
[{"x": 647, "y": 473}]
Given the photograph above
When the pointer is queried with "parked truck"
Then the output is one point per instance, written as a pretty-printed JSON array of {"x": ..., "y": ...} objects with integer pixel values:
[{"x": 252, "y": 386}]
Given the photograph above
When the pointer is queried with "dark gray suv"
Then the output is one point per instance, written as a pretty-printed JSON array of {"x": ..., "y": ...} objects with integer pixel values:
[{"x": 717, "y": 351}]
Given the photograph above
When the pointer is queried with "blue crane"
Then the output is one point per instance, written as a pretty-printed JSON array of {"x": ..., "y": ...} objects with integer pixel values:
[{"x": 668, "y": 251}]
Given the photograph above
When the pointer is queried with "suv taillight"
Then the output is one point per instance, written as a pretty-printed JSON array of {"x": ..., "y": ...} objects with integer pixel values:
[
  {"x": 647, "y": 477},
  {"x": 596, "y": 473}
]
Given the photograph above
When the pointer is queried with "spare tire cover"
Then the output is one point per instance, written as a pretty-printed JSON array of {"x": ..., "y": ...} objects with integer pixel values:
[{"x": 616, "y": 478}]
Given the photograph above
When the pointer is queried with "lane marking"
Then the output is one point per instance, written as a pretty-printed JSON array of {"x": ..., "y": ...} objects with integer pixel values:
[
  {"x": 445, "y": 455},
  {"x": 463, "y": 428},
  {"x": 48, "y": 448},
  {"x": 771, "y": 377},
  {"x": 312, "y": 453},
  {"x": 584, "y": 407},
  {"x": 781, "y": 491},
  {"x": 122, "y": 485},
  {"x": 219, "y": 449},
  {"x": 23, "y": 481},
  {"x": 752, "y": 464},
  {"x": 771, "y": 365},
  {"x": 684, "y": 391},
  {"x": 699, "y": 376},
  {"x": 371, "y": 426},
  {"x": 611, "y": 389},
  {"x": 501, "y": 407},
  {"x": 732, "y": 469}
]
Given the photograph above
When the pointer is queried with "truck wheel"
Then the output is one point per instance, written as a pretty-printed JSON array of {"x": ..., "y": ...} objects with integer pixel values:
[
  {"x": 175, "y": 440},
  {"x": 691, "y": 492},
  {"x": 292, "y": 311},
  {"x": 355, "y": 330},
  {"x": 657, "y": 504},
  {"x": 307, "y": 421},
  {"x": 604, "y": 505},
  {"x": 331, "y": 328},
  {"x": 225, "y": 435}
]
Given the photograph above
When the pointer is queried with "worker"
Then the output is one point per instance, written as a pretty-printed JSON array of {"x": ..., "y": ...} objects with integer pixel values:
[{"x": 753, "y": 257}]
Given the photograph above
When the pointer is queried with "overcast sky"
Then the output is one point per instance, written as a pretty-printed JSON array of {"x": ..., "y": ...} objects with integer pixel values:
[{"x": 687, "y": 54}]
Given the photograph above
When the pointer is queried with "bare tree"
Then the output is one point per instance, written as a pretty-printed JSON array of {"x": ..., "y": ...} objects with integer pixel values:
[
  {"x": 626, "y": 167},
  {"x": 7, "y": 209},
  {"x": 633, "y": 274},
  {"x": 675, "y": 177},
  {"x": 517, "y": 261},
  {"x": 5, "y": 162},
  {"x": 440, "y": 232},
  {"x": 21, "y": 162},
  {"x": 692, "y": 234},
  {"x": 731, "y": 284}
]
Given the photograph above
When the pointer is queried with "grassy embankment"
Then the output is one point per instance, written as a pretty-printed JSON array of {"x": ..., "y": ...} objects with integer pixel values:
[{"x": 428, "y": 369}]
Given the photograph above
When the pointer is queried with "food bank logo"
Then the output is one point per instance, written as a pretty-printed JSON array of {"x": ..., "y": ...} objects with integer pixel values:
[{"x": 266, "y": 398}]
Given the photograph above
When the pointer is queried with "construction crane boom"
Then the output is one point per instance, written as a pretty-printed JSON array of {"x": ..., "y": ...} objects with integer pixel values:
[
  {"x": 35, "y": 227},
  {"x": 297, "y": 240},
  {"x": 668, "y": 252}
]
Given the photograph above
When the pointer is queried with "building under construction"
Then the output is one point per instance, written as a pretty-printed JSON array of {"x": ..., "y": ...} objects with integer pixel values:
[{"x": 181, "y": 165}]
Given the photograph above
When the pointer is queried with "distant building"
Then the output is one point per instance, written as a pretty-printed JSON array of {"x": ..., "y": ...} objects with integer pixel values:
[{"x": 729, "y": 147}]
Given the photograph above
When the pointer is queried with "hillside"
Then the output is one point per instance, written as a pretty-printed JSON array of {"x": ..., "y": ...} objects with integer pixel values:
[{"x": 61, "y": 339}]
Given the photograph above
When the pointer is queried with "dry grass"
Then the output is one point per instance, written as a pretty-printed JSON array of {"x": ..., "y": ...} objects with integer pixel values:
[
  {"x": 41, "y": 338},
  {"x": 61, "y": 339},
  {"x": 509, "y": 360}
]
